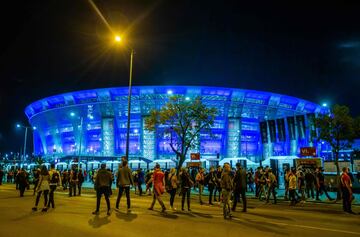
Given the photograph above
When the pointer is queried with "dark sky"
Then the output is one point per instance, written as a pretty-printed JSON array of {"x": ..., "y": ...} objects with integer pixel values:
[{"x": 305, "y": 50}]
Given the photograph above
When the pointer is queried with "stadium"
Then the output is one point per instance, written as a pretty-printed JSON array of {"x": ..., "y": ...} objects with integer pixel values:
[{"x": 251, "y": 126}]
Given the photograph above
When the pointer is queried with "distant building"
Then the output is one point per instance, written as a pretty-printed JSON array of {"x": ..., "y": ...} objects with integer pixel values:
[{"x": 251, "y": 125}]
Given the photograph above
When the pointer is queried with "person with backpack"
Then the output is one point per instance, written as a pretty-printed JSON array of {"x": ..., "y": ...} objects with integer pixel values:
[
  {"x": 171, "y": 186},
  {"x": 186, "y": 184},
  {"x": 211, "y": 181},
  {"x": 73, "y": 180},
  {"x": 81, "y": 179},
  {"x": 272, "y": 183},
  {"x": 200, "y": 180},
  {"x": 158, "y": 190},
  {"x": 55, "y": 181},
  {"x": 124, "y": 181},
  {"x": 43, "y": 187}
]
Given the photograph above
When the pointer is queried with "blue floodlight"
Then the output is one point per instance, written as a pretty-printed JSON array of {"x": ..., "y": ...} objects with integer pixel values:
[
  {"x": 324, "y": 105},
  {"x": 72, "y": 114},
  {"x": 187, "y": 98},
  {"x": 34, "y": 128},
  {"x": 169, "y": 92},
  {"x": 18, "y": 125}
]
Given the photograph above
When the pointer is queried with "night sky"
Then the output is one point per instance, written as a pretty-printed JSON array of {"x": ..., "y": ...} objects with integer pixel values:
[{"x": 55, "y": 46}]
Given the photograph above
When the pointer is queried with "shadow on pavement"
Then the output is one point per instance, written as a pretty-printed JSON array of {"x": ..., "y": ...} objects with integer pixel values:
[
  {"x": 166, "y": 215},
  {"x": 260, "y": 226},
  {"x": 203, "y": 215},
  {"x": 97, "y": 221},
  {"x": 269, "y": 216},
  {"x": 128, "y": 217}
]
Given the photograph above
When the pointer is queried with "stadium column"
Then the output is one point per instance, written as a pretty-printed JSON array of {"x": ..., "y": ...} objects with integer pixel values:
[
  {"x": 233, "y": 138},
  {"x": 108, "y": 135}
]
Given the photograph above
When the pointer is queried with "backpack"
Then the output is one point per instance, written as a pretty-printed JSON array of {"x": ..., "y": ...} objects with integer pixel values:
[{"x": 55, "y": 178}]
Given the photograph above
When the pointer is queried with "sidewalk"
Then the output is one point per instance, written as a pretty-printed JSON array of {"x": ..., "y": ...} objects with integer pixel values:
[{"x": 280, "y": 194}]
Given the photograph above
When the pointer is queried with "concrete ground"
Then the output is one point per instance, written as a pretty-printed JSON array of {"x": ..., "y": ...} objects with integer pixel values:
[{"x": 72, "y": 217}]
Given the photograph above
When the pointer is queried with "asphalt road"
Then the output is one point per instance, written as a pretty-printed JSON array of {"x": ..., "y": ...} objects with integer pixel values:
[{"x": 72, "y": 217}]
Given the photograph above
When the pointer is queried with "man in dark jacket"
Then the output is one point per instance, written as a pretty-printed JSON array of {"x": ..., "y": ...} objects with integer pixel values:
[
  {"x": 22, "y": 181},
  {"x": 124, "y": 180},
  {"x": 102, "y": 186},
  {"x": 239, "y": 187}
]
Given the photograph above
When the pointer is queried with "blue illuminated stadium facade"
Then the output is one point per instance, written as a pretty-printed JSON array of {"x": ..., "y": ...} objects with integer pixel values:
[{"x": 93, "y": 123}]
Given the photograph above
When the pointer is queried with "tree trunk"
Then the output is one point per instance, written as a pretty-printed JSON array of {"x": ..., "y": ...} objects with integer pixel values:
[
  {"x": 338, "y": 185},
  {"x": 181, "y": 162}
]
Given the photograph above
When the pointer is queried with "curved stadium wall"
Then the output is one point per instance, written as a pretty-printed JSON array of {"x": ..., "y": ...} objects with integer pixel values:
[{"x": 93, "y": 123}]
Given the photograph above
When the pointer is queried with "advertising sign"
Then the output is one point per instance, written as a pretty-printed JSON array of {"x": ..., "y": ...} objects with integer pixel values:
[
  {"x": 307, "y": 151},
  {"x": 195, "y": 156}
]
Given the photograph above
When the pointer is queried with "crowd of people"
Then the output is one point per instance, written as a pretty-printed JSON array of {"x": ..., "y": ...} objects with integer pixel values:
[{"x": 225, "y": 185}]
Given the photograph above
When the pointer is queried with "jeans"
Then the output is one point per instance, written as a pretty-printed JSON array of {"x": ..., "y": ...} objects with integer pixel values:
[
  {"x": 172, "y": 196},
  {"x": 79, "y": 185},
  {"x": 292, "y": 193},
  {"x": 211, "y": 190},
  {"x": 127, "y": 193},
  {"x": 185, "y": 192},
  {"x": 226, "y": 200},
  {"x": 72, "y": 188},
  {"x": 346, "y": 200},
  {"x": 310, "y": 190},
  {"x": 271, "y": 191},
  {"x": 157, "y": 196},
  {"x": 239, "y": 192},
  {"x": 46, "y": 192},
  {"x": 51, "y": 196},
  {"x": 140, "y": 188},
  {"x": 99, "y": 191},
  {"x": 201, "y": 189}
]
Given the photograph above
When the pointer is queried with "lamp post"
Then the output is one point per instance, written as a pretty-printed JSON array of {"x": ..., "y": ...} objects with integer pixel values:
[
  {"x": 118, "y": 39},
  {"x": 25, "y": 137}
]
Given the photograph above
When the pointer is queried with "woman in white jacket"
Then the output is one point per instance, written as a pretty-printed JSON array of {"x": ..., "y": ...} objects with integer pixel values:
[{"x": 43, "y": 187}]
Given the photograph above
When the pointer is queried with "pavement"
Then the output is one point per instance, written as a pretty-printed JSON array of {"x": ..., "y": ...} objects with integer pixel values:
[{"x": 72, "y": 217}]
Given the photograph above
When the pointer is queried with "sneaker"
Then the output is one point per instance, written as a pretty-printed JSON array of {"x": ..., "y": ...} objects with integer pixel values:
[
  {"x": 163, "y": 210},
  {"x": 44, "y": 209},
  {"x": 34, "y": 209},
  {"x": 150, "y": 208},
  {"x": 95, "y": 212},
  {"x": 189, "y": 209},
  {"x": 182, "y": 209},
  {"x": 108, "y": 213}
]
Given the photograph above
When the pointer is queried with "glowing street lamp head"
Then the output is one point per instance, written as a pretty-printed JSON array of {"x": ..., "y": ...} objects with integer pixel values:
[
  {"x": 34, "y": 128},
  {"x": 72, "y": 114},
  {"x": 18, "y": 125},
  {"x": 324, "y": 105},
  {"x": 117, "y": 38}
]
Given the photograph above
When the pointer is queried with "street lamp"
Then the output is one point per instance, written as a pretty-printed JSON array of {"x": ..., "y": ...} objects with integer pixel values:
[
  {"x": 118, "y": 39},
  {"x": 25, "y": 136}
]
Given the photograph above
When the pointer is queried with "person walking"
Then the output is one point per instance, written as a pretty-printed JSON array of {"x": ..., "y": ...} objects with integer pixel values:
[
  {"x": 171, "y": 186},
  {"x": 65, "y": 179},
  {"x": 320, "y": 184},
  {"x": 80, "y": 181},
  {"x": 218, "y": 183},
  {"x": 239, "y": 187},
  {"x": 124, "y": 180},
  {"x": 55, "y": 180},
  {"x": 158, "y": 184},
  {"x": 226, "y": 187},
  {"x": 22, "y": 181},
  {"x": 250, "y": 180},
  {"x": 43, "y": 187},
  {"x": 1, "y": 175},
  {"x": 141, "y": 179},
  {"x": 102, "y": 181},
  {"x": 73, "y": 181},
  {"x": 292, "y": 187},
  {"x": 36, "y": 174},
  {"x": 211, "y": 181},
  {"x": 186, "y": 184},
  {"x": 309, "y": 183},
  {"x": 200, "y": 180},
  {"x": 272, "y": 183},
  {"x": 346, "y": 190}
]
